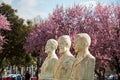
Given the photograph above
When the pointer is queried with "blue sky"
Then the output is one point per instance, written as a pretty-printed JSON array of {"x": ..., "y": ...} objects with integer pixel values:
[{"x": 29, "y": 9}]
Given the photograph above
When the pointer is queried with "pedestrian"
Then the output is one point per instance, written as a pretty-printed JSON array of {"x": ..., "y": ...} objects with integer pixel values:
[
  {"x": 27, "y": 75},
  {"x": 0, "y": 75}
]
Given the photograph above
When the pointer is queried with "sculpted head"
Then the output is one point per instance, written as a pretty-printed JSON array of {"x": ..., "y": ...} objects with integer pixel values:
[
  {"x": 82, "y": 41},
  {"x": 64, "y": 43},
  {"x": 51, "y": 46}
]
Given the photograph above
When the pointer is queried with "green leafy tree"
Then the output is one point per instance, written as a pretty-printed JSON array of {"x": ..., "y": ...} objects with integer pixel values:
[{"x": 13, "y": 51}]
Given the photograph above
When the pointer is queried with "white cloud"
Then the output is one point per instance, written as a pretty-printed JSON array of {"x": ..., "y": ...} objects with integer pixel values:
[
  {"x": 91, "y": 3},
  {"x": 27, "y": 9},
  {"x": 6, "y": 1},
  {"x": 28, "y": 3},
  {"x": 29, "y": 13}
]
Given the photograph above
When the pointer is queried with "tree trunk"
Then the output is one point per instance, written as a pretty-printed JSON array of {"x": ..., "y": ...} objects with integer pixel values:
[
  {"x": 100, "y": 73},
  {"x": 117, "y": 67},
  {"x": 37, "y": 72}
]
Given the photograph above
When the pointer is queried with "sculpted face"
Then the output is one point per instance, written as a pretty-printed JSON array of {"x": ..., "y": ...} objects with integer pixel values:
[
  {"x": 62, "y": 47},
  {"x": 75, "y": 46},
  {"x": 64, "y": 43},
  {"x": 51, "y": 45},
  {"x": 48, "y": 48},
  {"x": 81, "y": 42}
]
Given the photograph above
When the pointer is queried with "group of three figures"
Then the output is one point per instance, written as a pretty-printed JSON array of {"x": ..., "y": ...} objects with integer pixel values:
[{"x": 68, "y": 67}]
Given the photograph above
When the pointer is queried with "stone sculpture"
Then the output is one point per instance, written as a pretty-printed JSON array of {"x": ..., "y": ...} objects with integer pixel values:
[
  {"x": 84, "y": 63},
  {"x": 64, "y": 64},
  {"x": 47, "y": 68}
]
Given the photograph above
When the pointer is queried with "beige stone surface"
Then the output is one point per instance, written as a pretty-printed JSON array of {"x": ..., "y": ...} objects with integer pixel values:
[
  {"x": 84, "y": 64},
  {"x": 64, "y": 64},
  {"x": 47, "y": 68}
]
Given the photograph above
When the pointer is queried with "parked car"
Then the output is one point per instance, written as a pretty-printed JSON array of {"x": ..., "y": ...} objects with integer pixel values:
[
  {"x": 14, "y": 76},
  {"x": 112, "y": 77}
]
